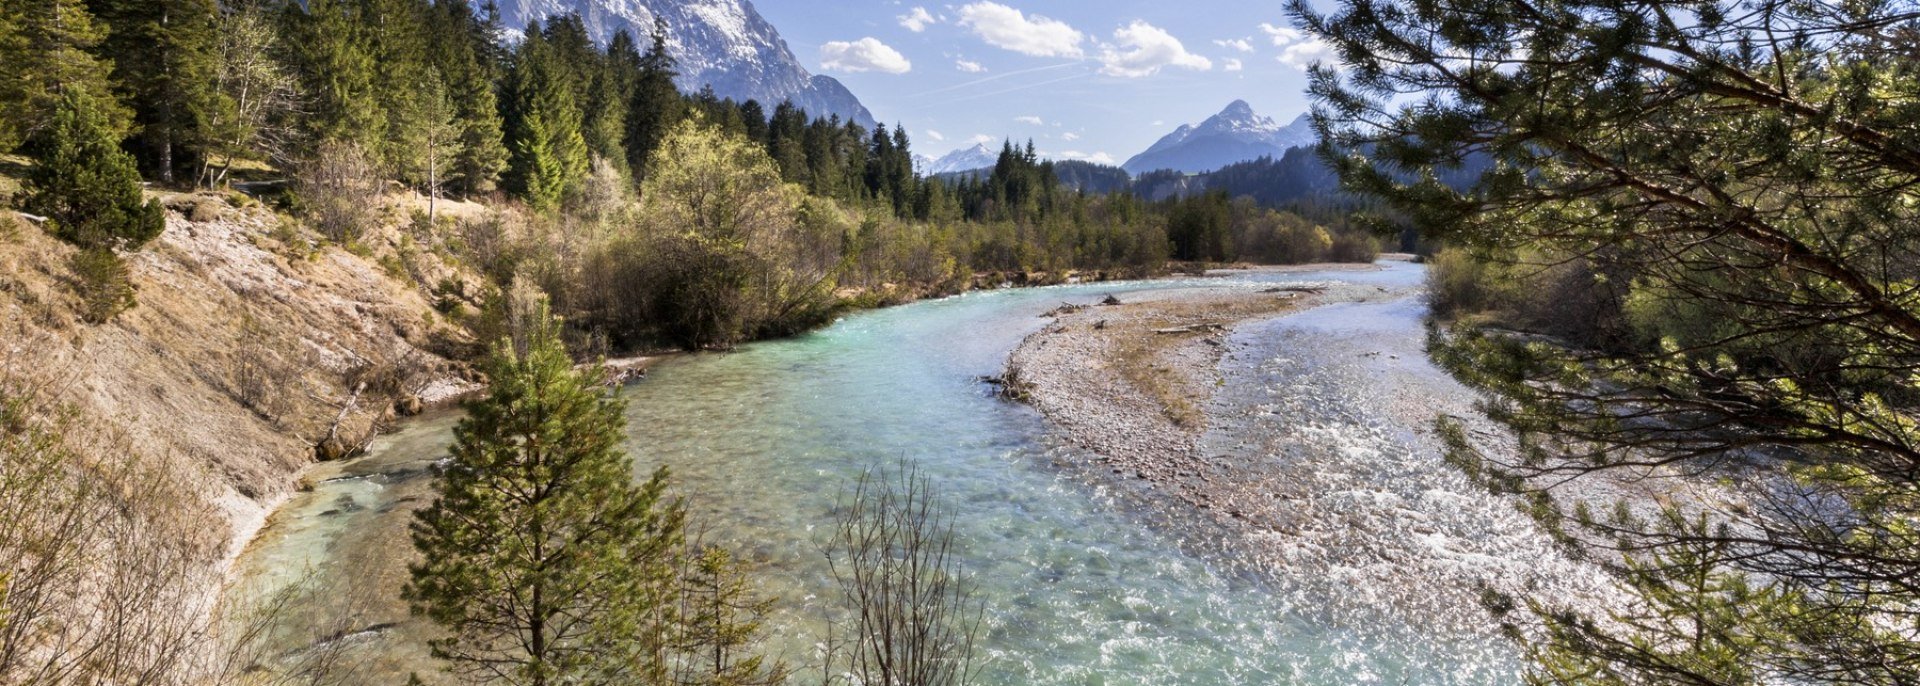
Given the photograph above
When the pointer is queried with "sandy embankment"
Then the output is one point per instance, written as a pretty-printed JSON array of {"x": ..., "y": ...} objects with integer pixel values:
[{"x": 1129, "y": 383}]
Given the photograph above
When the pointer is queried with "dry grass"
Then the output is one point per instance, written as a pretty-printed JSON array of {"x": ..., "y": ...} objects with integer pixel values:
[{"x": 1160, "y": 365}]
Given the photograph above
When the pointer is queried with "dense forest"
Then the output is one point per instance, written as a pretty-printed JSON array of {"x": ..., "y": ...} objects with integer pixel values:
[{"x": 562, "y": 136}]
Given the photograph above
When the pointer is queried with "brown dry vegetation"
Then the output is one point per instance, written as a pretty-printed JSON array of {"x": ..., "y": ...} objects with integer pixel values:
[{"x": 163, "y": 437}]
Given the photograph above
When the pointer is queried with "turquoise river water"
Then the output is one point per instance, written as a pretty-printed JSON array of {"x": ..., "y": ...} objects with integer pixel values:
[{"x": 1080, "y": 586}]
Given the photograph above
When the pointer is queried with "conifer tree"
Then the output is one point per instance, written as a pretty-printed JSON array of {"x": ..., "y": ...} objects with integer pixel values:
[
  {"x": 548, "y": 153},
  {"x": 328, "y": 48},
  {"x": 88, "y": 188},
  {"x": 46, "y": 47},
  {"x": 542, "y": 559},
  {"x": 163, "y": 54},
  {"x": 463, "y": 54},
  {"x": 656, "y": 103},
  {"x": 394, "y": 32}
]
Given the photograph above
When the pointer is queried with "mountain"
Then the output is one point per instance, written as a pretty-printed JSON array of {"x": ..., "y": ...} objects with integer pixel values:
[
  {"x": 968, "y": 159},
  {"x": 723, "y": 43},
  {"x": 1236, "y": 134}
]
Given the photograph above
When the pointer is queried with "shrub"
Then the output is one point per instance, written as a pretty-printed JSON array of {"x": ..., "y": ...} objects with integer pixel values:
[
  {"x": 102, "y": 282},
  {"x": 338, "y": 191},
  {"x": 88, "y": 188}
]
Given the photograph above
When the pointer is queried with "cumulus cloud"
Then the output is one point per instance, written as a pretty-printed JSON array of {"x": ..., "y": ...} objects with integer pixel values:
[
  {"x": 1144, "y": 49},
  {"x": 1296, "y": 49},
  {"x": 936, "y": 135},
  {"x": 1239, "y": 44},
  {"x": 1008, "y": 28},
  {"x": 1282, "y": 36},
  {"x": 968, "y": 66},
  {"x": 1231, "y": 64},
  {"x": 866, "y": 54},
  {"x": 1069, "y": 136},
  {"x": 918, "y": 20},
  {"x": 1030, "y": 119},
  {"x": 1304, "y": 54},
  {"x": 981, "y": 139}
]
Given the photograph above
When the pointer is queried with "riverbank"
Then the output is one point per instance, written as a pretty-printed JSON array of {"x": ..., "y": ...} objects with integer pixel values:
[
  {"x": 1129, "y": 381},
  {"x": 1312, "y": 465}
]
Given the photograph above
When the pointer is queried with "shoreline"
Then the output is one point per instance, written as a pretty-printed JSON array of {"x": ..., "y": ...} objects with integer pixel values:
[{"x": 1133, "y": 387}]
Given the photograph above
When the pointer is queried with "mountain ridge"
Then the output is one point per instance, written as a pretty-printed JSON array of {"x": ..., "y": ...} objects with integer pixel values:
[
  {"x": 722, "y": 43},
  {"x": 1236, "y": 134}
]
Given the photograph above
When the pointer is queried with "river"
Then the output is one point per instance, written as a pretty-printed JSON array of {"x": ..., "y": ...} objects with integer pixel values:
[{"x": 1080, "y": 585}]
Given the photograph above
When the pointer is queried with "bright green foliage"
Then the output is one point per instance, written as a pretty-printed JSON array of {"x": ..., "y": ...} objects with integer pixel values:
[
  {"x": 542, "y": 559},
  {"x": 163, "y": 52},
  {"x": 1711, "y": 206},
  {"x": 84, "y": 184},
  {"x": 548, "y": 152},
  {"x": 329, "y": 49},
  {"x": 47, "y": 47}
]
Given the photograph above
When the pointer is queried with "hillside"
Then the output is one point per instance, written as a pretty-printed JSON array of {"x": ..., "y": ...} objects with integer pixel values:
[{"x": 250, "y": 353}]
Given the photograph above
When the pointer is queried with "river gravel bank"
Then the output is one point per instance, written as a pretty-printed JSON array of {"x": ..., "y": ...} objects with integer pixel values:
[{"x": 1311, "y": 463}]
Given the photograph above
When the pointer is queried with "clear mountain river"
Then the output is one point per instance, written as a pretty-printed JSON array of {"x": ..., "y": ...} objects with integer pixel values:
[{"x": 1082, "y": 585}]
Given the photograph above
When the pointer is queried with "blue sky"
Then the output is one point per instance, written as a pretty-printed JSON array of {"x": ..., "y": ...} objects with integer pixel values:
[{"x": 1085, "y": 79}]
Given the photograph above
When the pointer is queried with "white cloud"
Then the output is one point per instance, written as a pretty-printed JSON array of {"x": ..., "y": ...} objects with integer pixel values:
[
  {"x": 918, "y": 20},
  {"x": 1282, "y": 36},
  {"x": 866, "y": 54},
  {"x": 1297, "y": 50},
  {"x": 1005, "y": 27},
  {"x": 1096, "y": 158},
  {"x": 1239, "y": 44},
  {"x": 936, "y": 135},
  {"x": 981, "y": 139},
  {"x": 1304, "y": 54},
  {"x": 1231, "y": 64},
  {"x": 1030, "y": 119},
  {"x": 1069, "y": 136},
  {"x": 1148, "y": 49},
  {"x": 968, "y": 66}
]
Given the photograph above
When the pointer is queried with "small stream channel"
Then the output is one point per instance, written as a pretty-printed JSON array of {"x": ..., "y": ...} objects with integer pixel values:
[{"x": 1374, "y": 586}]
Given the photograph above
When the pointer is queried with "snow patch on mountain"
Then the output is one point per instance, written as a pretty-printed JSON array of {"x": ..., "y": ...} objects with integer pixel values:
[
  {"x": 722, "y": 43},
  {"x": 1236, "y": 134}
]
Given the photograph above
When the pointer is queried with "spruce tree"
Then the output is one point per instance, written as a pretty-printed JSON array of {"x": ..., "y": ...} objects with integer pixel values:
[
  {"x": 656, "y": 103},
  {"x": 163, "y": 54},
  {"x": 328, "y": 49},
  {"x": 548, "y": 153},
  {"x": 46, "y": 49},
  {"x": 86, "y": 186},
  {"x": 463, "y": 54},
  {"x": 541, "y": 558}
]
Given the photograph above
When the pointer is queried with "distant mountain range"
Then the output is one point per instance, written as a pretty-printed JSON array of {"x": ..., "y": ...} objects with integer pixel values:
[
  {"x": 722, "y": 43},
  {"x": 967, "y": 159},
  {"x": 1236, "y": 134}
]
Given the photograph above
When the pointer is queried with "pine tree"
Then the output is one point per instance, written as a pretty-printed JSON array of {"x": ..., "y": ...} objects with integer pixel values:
[
  {"x": 542, "y": 559},
  {"x": 46, "y": 47},
  {"x": 163, "y": 52},
  {"x": 88, "y": 188},
  {"x": 549, "y": 154}
]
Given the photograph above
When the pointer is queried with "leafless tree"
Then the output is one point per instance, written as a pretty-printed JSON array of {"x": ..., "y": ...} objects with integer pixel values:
[{"x": 910, "y": 613}]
